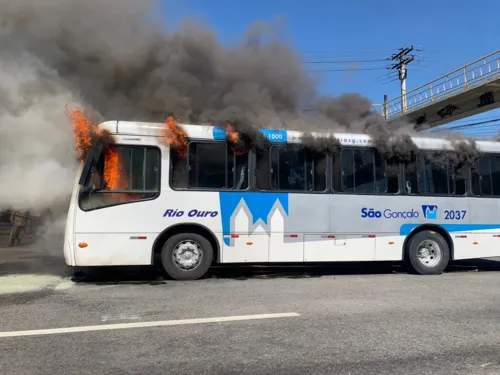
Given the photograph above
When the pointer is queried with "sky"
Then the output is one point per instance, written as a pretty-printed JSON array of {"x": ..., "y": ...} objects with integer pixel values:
[{"x": 446, "y": 33}]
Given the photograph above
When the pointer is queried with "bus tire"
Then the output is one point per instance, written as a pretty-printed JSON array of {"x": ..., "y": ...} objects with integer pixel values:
[
  {"x": 428, "y": 253},
  {"x": 186, "y": 256}
]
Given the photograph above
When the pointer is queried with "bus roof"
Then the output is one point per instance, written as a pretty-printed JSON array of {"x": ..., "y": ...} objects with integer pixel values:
[{"x": 276, "y": 136}]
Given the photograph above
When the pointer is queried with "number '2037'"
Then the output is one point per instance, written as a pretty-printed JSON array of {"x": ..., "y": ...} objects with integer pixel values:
[{"x": 454, "y": 214}]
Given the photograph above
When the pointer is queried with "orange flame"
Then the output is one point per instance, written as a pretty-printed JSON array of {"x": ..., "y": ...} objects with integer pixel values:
[
  {"x": 86, "y": 134},
  {"x": 84, "y": 131},
  {"x": 174, "y": 135},
  {"x": 234, "y": 137},
  {"x": 111, "y": 169},
  {"x": 116, "y": 176}
]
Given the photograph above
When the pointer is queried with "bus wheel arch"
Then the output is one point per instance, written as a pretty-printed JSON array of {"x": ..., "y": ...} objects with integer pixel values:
[
  {"x": 185, "y": 228},
  {"x": 432, "y": 234}
]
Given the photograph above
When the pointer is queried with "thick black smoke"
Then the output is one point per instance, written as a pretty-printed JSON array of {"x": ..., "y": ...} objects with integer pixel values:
[{"x": 115, "y": 58}]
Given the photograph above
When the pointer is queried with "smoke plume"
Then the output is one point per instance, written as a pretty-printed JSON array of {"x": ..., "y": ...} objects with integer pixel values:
[{"x": 115, "y": 58}]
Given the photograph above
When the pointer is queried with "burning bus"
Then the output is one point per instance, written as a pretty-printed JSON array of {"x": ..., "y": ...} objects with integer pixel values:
[{"x": 190, "y": 196}]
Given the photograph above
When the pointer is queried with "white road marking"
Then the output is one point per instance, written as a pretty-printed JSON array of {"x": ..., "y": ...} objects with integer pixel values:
[
  {"x": 161, "y": 323},
  {"x": 107, "y": 318}
]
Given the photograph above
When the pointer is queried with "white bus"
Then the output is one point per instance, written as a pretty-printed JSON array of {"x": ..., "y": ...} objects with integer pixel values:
[{"x": 208, "y": 204}]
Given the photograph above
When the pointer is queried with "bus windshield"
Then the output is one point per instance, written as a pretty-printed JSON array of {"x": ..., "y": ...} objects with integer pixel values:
[{"x": 119, "y": 174}]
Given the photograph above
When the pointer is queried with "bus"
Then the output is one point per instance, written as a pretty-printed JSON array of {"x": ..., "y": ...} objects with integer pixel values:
[{"x": 281, "y": 204}]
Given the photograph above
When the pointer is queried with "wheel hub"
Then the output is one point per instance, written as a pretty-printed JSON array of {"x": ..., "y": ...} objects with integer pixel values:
[
  {"x": 429, "y": 253},
  {"x": 187, "y": 255}
]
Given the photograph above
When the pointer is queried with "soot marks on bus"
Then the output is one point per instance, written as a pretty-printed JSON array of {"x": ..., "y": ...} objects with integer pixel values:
[
  {"x": 398, "y": 149},
  {"x": 354, "y": 114},
  {"x": 321, "y": 145},
  {"x": 464, "y": 154},
  {"x": 467, "y": 153},
  {"x": 241, "y": 137}
]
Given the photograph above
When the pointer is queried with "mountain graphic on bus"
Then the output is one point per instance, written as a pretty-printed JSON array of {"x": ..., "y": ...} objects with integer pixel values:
[
  {"x": 430, "y": 211},
  {"x": 258, "y": 209}
]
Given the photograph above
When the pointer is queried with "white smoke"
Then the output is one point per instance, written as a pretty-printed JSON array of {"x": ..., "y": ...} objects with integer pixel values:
[{"x": 37, "y": 157}]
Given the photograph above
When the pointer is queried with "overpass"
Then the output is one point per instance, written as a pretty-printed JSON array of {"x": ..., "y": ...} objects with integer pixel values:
[{"x": 467, "y": 91}]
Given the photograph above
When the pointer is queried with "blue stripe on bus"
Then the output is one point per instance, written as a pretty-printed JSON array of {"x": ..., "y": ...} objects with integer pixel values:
[
  {"x": 276, "y": 136},
  {"x": 218, "y": 133},
  {"x": 407, "y": 228}
]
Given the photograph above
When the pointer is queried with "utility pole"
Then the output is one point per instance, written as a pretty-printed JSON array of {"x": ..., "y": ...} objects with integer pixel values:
[{"x": 403, "y": 60}]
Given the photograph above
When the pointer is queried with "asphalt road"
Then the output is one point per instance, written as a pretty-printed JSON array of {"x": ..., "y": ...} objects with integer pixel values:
[{"x": 341, "y": 321}]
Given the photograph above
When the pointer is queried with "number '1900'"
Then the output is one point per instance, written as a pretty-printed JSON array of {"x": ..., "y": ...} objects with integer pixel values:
[{"x": 454, "y": 215}]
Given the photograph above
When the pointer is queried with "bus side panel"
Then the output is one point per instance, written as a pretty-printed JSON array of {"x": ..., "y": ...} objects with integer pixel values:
[
  {"x": 342, "y": 239},
  {"x": 118, "y": 235},
  {"x": 114, "y": 249},
  {"x": 270, "y": 227},
  {"x": 125, "y": 234},
  {"x": 387, "y": 220},
  {"x": 250, "y": 222},
  {"x": 389, "y": 247},
  {"x": 308, "y": 216},
  {"x": 483, "y": 235}
]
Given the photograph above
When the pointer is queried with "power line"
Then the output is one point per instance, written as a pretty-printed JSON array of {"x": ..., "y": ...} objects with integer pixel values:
[
  {"x": 346, "y": 61},
  {"x": 464, "y": 126},
  {"x": 344, "y": 69},
  {"x": 337, "y": 52},
  {"x": 467, "y": 120}
]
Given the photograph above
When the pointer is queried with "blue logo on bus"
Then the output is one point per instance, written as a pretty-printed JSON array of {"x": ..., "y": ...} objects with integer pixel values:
[{"x": 430, "y": 211}]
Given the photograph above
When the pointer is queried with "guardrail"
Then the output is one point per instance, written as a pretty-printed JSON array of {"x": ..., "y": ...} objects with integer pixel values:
[{"x": 473, "y": 74}]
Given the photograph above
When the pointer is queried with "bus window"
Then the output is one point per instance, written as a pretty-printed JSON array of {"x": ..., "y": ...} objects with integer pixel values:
[
  {"x": 436, "y": 179},
  {"x": 295, "y": 168},
  {"x": 290, "y": 168},
  {"x": 381, "y": 181},
  {"x": 481, "y": 177},
  {"x": 337, "y": 173},
  {"x": 392, "y": 174},
  {"x": 318, "y": 166},
  {"x": 120, "y": 176},
  {"x": 207, "y": 165},
  {"x": 262, "y": 170},
  {"x": 137, "y": 170},
  {"x": 213, "y": 165},
  {"x": 425, "y": 177},
  {"x": 460, "y": 178},
  {"x": 485, "y": 176},
  {"x": 347, "y": 157},
  {"x": 178, "y": 170},
  {"x": 238, "y": 170},
  {"x": 411, "y": 185},
  {"x": 495, "y": 174},
  {"x": 152, "y": 172},
  {"x": 363, "y": 171}
]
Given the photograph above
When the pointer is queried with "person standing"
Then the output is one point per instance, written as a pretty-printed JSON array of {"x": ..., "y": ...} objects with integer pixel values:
[{"x": 19, "y": 220}]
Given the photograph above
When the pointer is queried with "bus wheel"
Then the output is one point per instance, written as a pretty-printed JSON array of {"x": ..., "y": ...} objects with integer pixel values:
[
  {"x": 428, "y": 253},
  {"x": 186, "y": 256}
]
